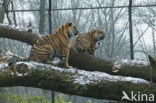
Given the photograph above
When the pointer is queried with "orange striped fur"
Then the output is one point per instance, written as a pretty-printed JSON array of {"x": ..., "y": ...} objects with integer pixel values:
[
  {"x": 55, "y": 45},
  {"x": 86, "y": 43}
]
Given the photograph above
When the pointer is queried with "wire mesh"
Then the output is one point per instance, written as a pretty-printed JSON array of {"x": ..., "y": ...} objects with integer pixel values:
[{"x": 111, "y": 16}]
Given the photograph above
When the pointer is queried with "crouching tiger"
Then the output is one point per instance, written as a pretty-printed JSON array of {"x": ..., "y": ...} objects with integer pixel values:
[
  {"x": 56, "y": 45},
  {"x": 86, "y": 43}
]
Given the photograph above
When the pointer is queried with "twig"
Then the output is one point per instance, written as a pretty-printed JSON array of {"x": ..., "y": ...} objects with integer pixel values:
[
  {"x": 5, "y": 4},
  {"x": 12, "y": 5}
]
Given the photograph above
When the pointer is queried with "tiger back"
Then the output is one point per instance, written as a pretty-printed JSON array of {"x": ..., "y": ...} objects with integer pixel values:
[{"x": 86, "y": 43}]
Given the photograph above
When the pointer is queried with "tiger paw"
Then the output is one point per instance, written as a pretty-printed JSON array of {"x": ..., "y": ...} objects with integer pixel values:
[{"x": 69, "y": 67}]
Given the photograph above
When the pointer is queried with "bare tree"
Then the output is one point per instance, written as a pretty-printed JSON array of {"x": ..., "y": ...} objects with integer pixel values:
[
  {"x": 115, "y": 23},
  {"x": 6, "y": 8},
  {"x": 42, "y": 17},
  {"x": 1, "y": 13},
  {"x": 145, "y": 18}
]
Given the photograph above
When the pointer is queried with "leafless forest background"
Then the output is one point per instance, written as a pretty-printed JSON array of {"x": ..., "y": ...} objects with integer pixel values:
[{"x": 109, "y": 15}]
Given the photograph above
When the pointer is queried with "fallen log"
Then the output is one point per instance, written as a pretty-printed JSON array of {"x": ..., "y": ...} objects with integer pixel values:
[
  {"x": 72, "y": 81},
  {"x": 134, "y": 68},
  {"x": 140, "y": 69},
  {"x": 17, "y": 33}
]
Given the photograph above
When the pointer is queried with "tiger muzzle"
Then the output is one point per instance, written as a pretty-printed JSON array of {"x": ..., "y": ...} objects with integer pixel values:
[{"x": 102, "y": 38}]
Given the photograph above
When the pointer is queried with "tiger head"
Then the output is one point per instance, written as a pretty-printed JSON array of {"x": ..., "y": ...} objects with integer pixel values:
[
  {"x": 98, "y": 34},
  {"x": 70, "y": 29}
]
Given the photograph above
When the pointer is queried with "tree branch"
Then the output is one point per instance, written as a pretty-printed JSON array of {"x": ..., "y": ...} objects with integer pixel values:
[{"x": 18, "y": 34}]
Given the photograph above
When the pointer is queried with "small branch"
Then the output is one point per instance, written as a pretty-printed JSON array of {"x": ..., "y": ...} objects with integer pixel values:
[
  {"x": 5, "y": 4},
  {"x": 12, "y": 5}
]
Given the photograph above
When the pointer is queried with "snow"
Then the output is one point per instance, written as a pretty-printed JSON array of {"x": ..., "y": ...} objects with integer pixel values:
[
  {"x": 138, "y": 63},
  {"x": 4, "y": 24},
  {"x": 56, "y": 62},
  {"x": 30, "y": 65},
  {"x": 3, "y": 65},
  {"x": 135, "y": 62},
  {"x": 9, "y": 55},
  {"x": 19, "y": 74},
  {"x": 85, "y": 77}
]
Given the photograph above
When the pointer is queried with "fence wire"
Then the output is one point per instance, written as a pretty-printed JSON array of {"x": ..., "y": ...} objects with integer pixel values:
[{"x": 110, "y": 16}]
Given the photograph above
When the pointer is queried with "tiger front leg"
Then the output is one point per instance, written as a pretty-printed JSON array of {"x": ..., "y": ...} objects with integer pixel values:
[
  {"x": 92, "y": 51},
  {"x": 66, "y": 59}
]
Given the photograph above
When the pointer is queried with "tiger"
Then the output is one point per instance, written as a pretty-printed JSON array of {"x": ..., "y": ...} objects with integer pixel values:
[
  {"x": 55, "y": 45},
  {"x": 86, "y": 43}
]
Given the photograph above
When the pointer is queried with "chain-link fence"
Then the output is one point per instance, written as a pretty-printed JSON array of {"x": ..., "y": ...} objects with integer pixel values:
[{"x": 130, "y": 27}]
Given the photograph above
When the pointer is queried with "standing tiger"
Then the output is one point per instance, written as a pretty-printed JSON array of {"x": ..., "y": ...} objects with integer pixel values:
[
  {"x": 86, "y": 43},
  {"x": 56, "y": 45}
]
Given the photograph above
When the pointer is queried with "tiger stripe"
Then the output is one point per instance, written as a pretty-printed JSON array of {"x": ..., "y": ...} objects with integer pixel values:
[
  {"x": 86, "y": 43},
  {"x": 55, "y": 45}
]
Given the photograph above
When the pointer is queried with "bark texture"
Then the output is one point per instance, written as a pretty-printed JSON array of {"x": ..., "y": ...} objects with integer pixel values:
[
  {"x": 18, "y": 34},
  {"x": 71, "y": 81}
]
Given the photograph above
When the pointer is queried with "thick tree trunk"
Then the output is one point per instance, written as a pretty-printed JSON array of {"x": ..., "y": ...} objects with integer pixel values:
[
  {"x": 2, "y": 13},
  {"x": 140, "y": 69},
  {"x": 71, "y": 81},
  {"x": 42, "y": 17}
]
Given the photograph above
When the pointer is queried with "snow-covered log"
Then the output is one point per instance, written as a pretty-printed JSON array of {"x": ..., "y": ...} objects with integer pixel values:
[
  {"x": 134, "y": 68},
  {"x": 140, "y": 69},
  {"x": 71, "y": 81}
]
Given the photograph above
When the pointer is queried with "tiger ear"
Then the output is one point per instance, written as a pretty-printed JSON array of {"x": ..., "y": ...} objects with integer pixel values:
[{"x": 70, "y": 24}]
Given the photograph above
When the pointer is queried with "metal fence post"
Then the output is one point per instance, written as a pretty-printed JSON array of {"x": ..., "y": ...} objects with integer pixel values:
[
  {"x": 131, "y": 29},
  {"x": 50, "y": 32},
  {"x": 49, "y": 17},
  {"x": 52, "y": 97}
]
